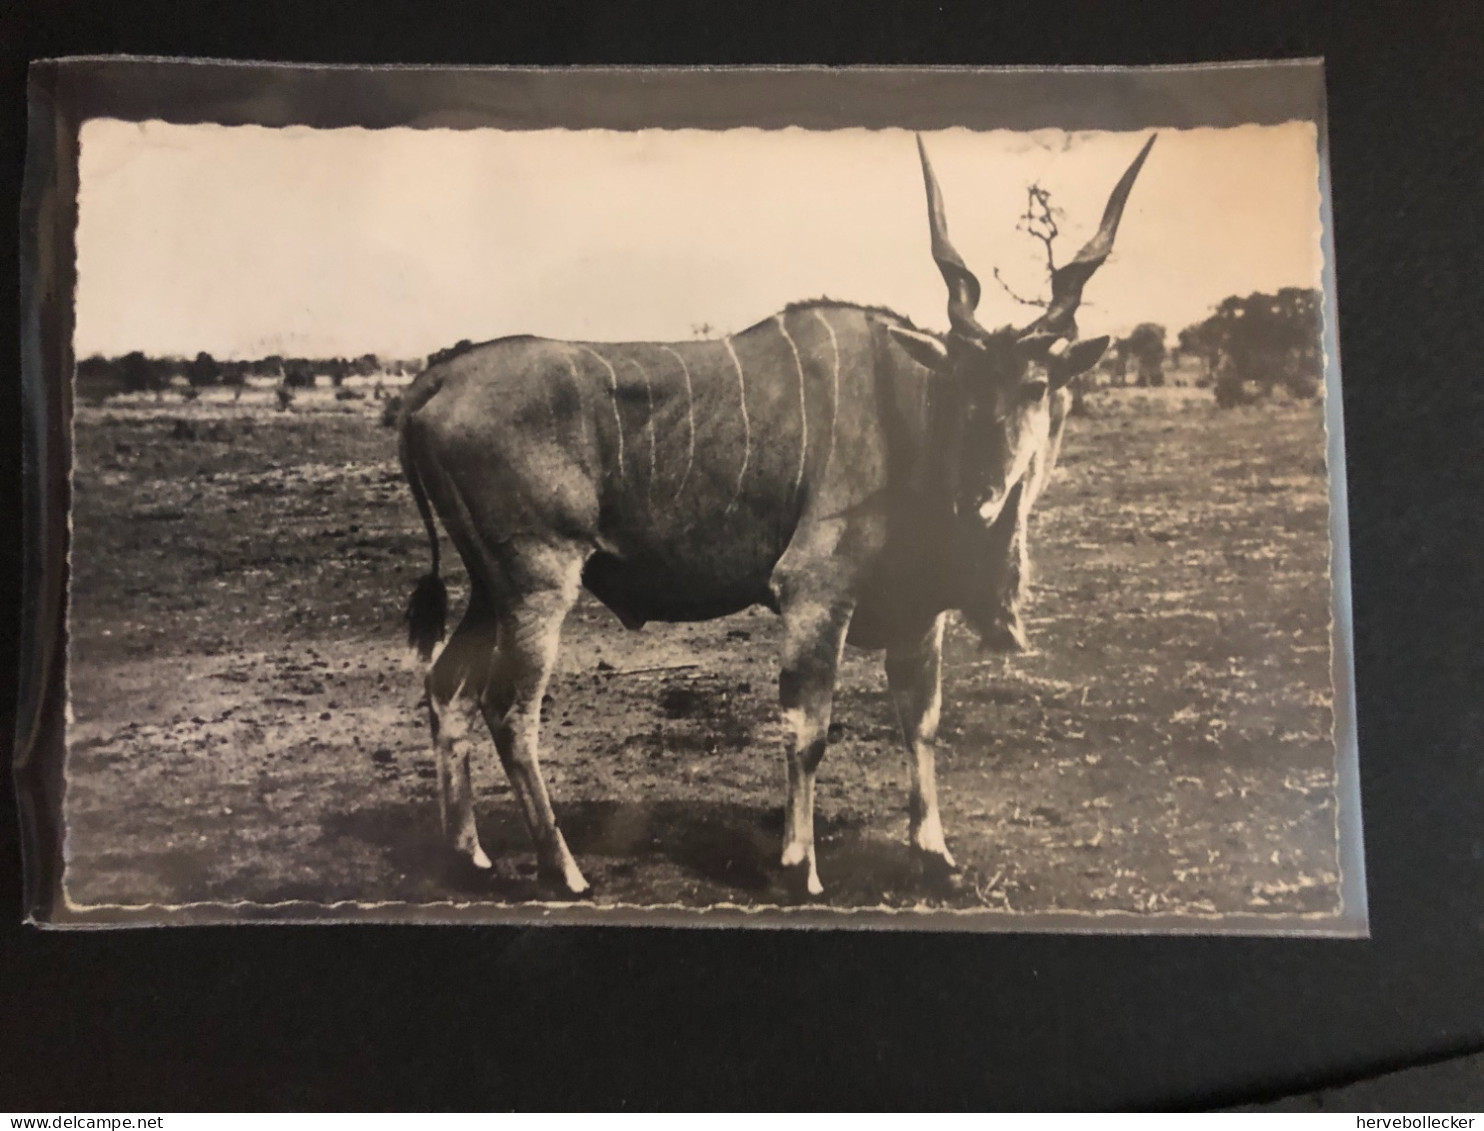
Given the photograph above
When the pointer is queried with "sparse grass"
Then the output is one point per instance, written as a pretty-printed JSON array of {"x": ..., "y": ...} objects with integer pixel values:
[{"x": 247, "y": 726}]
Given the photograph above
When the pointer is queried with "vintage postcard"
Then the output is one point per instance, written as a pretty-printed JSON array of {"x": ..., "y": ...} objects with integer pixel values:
[{"x": 864, "y": 498}]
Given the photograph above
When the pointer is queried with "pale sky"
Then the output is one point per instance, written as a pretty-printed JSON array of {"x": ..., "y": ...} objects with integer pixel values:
[{"x": 246, "y": 241}]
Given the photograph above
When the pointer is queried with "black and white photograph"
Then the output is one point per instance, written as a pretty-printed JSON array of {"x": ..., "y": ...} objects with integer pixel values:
[{"x": 931, "y": 526}]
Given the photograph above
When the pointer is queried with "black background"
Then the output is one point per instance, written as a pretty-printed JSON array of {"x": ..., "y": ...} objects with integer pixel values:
[{"x": 323, "y": 1017}]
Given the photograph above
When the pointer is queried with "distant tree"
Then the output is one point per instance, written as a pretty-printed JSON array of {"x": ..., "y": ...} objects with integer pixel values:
[
  {"x": 1145, "y": 347},
  {"x": 1254, "y": 345},
  {"x": 1197, "y": 341},
  {"x": 298, "y": 373},
  {"x": 203, "y": 370},
  {"x": 234, "y": 374},
  {"x": 95, "y": 366},
  {"x": 366, "y": 365},
  {"x": 137, "y": 374},
  {"x": 98, "y": 378}
]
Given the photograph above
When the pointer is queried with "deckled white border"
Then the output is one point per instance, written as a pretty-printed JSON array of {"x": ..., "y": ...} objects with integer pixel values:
[
  {"x": 730, "y": 914},
  {"x": 1350, "y": 920}
]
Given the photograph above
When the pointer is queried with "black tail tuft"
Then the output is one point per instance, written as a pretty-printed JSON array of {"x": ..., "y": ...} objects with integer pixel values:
[{"x": 427, "y": 613}]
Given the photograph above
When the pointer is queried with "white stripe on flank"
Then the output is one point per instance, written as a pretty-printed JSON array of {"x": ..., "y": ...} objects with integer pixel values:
[
  {"x": 803, "y": 405},
  {"x": 613, "y": 393},
  {"x": 690, "y": 420},
  {"x": 581, "y": 408},
  {"x": 835, "y": 403},
  {"x": 746, "y": 424},
  {"x": 649, "y": 423}
]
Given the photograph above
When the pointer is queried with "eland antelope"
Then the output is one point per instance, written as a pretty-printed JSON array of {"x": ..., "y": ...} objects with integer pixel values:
[{"x": 834, "y": 463}]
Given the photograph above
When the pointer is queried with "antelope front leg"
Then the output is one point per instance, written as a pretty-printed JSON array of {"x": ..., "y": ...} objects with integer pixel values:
[
  {"x": 914, "y": 675},
  {"x": 814, "y": 635}
]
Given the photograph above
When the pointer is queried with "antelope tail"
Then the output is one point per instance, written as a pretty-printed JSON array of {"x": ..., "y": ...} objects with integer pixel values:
[{"x": 427, "y": 608}]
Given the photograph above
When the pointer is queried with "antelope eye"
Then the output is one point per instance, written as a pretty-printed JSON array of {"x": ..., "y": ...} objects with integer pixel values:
[{"x": 1033, "y": 391}]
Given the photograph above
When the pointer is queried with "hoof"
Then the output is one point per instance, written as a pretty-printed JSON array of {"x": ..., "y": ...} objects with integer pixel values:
[
  {"x": 938, "y": 871},
  {"x": 564, "y": 888},
  {"x": 467, "y": 871},
  {"x": 801, "y": 881}
]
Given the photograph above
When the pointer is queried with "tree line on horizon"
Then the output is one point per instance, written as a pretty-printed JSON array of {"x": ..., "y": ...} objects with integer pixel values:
[
  {"x": 138, "y": 372},
  {"x": 1247, "y": 348}
]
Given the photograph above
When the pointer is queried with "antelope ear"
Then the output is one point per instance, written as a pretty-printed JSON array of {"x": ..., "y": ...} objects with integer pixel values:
[
  {"x": 1079, "y": 357},
  {"x": 925, "y": 349}
]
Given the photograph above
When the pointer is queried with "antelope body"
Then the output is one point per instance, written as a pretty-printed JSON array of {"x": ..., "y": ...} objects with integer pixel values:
[{"x": 858, "y": 476}]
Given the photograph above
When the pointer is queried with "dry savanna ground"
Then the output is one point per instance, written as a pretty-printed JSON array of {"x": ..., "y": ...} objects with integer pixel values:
[{"x": 247, "y": 726}]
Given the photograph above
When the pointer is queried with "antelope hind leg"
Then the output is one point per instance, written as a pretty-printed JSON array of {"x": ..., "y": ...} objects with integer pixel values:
[
  {"x": 530, "y": 634},
  {"x": 454, "y": 685}
]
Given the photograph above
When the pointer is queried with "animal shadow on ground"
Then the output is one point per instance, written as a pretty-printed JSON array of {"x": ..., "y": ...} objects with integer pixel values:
[{"x": 636, "y": 853}]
